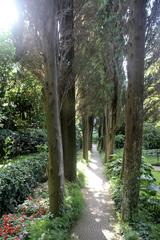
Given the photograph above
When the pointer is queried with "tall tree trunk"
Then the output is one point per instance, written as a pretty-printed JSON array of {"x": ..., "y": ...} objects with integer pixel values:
[
  {"x": 69, "y": 135},
  {"x": 109, "y": 133},
  {"x": 90, "y": 138},
  {"x": 101, "y": 134},
  {"x": 134, "y": 110},
  {"x": 55, "y": 165},
  {"x": 68, "y": 91},
  {"x": 111, "y": 117},
  {"x": 85, "y": 136}
]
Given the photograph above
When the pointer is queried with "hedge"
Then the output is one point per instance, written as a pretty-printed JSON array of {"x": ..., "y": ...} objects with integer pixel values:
[
  {"x": 13, "y": 143},
  {"x": 17, "y": 180}
]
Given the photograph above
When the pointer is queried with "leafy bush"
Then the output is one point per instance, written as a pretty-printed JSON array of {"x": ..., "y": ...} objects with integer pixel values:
[
  {"x": 21, "y": 142},
  {"x": 151, "y": 136},
  {"x": 129, "y": 233},
  {"x": 50, "y": 228},
  {"x": 148, "y": 220},
  {"x": 18, "y": 179},
  {"x": 119, "y": 141}
]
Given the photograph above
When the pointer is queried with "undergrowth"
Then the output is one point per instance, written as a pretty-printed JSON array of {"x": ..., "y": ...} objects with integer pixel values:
[
  {"x": 59, "y": 228},
  {"x": 147, "y": 223},
  {"x": 50, "y": 228}
]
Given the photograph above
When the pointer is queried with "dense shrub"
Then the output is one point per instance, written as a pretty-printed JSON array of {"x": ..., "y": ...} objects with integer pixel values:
[
  {"x": 18, "y": 179},
  {"x": 148, "y": 221},
  {"x": 119, "y": 141},
  {"x": 151, "y": 136},
  {"x": 20, "y": 142}
]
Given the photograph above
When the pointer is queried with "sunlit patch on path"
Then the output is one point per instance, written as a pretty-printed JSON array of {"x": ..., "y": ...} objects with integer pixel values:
[{"x": 98, "y": 219}]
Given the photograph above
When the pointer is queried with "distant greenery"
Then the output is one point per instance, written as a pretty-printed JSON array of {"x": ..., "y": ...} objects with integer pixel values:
[
  {"x": 151, "y": 136},
  {"x": 13, "y": 143},
  {"x": 119, "y": 141}
]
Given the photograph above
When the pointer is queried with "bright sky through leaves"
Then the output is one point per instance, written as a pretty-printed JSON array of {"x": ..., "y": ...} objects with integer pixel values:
[{"x": 8, "y": 14}]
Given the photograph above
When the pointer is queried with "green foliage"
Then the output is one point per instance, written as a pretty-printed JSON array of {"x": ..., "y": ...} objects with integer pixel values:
[
  {"x": 113, "y": 167},
  {"x": 81, "y": 179},
  {"x": 59, "y": 228},
  {"x": 148, "y": 219},
  {"x": 21, "y": 142},
  {"x": 20, "y": 92},
  {"x": 151, "y": 136},
  {"x": 113, "y": 171},
  {"x": 21, "y": 104},
  {"x": 129, "y": 233},
  {"x": 18, "y": 179},
  {"x": 119, "y": 141},
  {"x": 147, "y": 179}
]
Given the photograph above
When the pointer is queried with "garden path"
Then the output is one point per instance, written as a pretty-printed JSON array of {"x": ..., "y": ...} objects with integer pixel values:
[{"x": 98, "y": 219}]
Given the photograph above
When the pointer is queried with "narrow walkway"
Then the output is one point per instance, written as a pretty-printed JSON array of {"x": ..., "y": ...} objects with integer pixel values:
[{"x": 97, "y": 221}]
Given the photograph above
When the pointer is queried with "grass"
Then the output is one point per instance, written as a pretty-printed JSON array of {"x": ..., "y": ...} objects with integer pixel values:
[{"x": 156, "y": 174}]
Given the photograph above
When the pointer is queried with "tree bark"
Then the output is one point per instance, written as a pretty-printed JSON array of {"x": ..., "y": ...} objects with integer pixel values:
[
  {"x": 134, "y": 110},
  {"x": 111, "y": 117},
  {"x": 69, "y": 135},
  {"x": 85, "y": 136},
  {"x": 55, "y": 164},
  {"x": 109, "y": 132},
  {"x": 90, "y": 138},
  {"x": 101, "y": 134},
  {"x": 67, "y": 87}
]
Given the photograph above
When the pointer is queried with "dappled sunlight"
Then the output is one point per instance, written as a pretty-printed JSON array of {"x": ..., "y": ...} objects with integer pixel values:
[
  {"x": 108, "y": 235},
  {"x": 97, "y": 222}
]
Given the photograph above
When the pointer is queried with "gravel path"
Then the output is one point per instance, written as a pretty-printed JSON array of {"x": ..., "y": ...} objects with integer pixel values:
[{"x": 98, "y": 220}]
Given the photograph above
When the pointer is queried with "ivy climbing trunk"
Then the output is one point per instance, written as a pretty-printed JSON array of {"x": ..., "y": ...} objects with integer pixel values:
[
  {"x": 68, "y": 90},
  {"x": 134, "y": 110}
]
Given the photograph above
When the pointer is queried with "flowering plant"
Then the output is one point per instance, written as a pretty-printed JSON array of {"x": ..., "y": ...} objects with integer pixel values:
[{"x": 14, "y": 226}]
